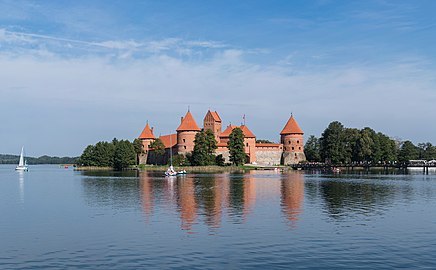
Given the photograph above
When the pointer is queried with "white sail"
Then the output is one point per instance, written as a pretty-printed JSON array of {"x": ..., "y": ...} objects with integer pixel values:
[{"x": 21, "y": 163}]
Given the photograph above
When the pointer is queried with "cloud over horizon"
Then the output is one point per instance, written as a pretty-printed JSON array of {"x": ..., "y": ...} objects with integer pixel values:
[{"x": 71, "y": 92}]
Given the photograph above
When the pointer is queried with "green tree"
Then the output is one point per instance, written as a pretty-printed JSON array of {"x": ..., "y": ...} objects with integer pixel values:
[
  {"x": 350, "y": 137},
  {"x": 426, "y": 151},
  {"x": 204, "y": 148},
  {"x": 388, "y": 148},
  {"x": 408, "y": 151},
  {"x": 312, "y": 149},
  {"x": 236, "y": 147},
  {"x": 331, "y": 144},
  {"x": 219, "y": 160},
  {"x": 158, "y": 147},
  {"x": 211, "y": 143},
  {"x": 87, "y": 157},
  {"x": 103, "y": 154},
  {"x": 365, "y": 145},
  {"x": 139, "y": 149},
  {"x": 124, "y": 155},
  {"x": 200, "y": 155}
]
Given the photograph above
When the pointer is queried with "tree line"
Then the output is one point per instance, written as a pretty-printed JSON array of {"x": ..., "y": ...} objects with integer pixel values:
[
  {"x": 14, "y": 159},
  {"x": 339, "y": 144},
  {"x": 118, "y": 154}
]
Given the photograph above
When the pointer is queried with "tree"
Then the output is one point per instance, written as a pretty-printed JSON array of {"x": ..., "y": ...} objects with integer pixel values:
[
  {"x": 158, "y": 147},
  {"x": 87, "y": 157},
  {"x": 312, "y": 149},
  {"x": 236, "y": 147},
  {"x": 408, "y": 151},
  {"x": 204, "y": 148},
  {"x": 388, "y": 148},
  {"x": 139, "y": 149},
  {"x": 365, "y": 144},
  {"x": 200, "y": 153},
  {"x": 103, "y": 154},
  {"x": 426, "y": 151},
  {"x": 211, "y": 143},
  {"x": 350, "y": 137},
  {"x": 331, "y": 144},
  {"x": 124, "y": 155}
]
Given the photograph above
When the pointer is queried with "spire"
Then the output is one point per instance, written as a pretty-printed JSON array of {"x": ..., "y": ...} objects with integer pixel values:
[
  {"x": 291, "y": 127},
  {"x": 188, "y": 123},
  {"x": 147, "y": 133}
]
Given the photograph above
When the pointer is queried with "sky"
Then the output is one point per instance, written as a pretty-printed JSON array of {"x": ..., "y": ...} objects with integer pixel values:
[{"x": 73, "y": 73}]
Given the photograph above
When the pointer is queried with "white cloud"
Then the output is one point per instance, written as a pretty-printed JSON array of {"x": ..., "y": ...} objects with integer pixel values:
[{"x": 94, "y": 97}]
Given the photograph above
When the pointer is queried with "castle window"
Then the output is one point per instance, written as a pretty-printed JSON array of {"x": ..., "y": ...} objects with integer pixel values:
[
  {"x": 289, "y": 142},
  {"x": 183, "y": 140},
  {"x": 299, "y": 148},
  {"x": 184, "y": 146},
  {"x": 247, "y": 144},
  {"x": 298, "y": 142},
  {"x": 292, "y": 148}
]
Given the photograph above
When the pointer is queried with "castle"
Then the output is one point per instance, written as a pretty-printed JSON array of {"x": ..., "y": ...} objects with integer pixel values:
[{"x": 290, "y": 150}]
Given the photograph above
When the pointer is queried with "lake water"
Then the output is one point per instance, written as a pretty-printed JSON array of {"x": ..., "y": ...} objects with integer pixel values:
[{"x": 57, "y": 218}]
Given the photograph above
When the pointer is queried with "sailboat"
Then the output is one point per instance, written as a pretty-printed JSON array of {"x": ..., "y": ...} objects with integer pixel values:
[
  {"x": 22, "y": 165},
  {"x": 170, "y": 171}
]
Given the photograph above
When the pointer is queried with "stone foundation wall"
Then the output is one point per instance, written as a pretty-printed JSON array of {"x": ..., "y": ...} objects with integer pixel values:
[
  {"x": 293, "y": 157},
  {"x": 269, "y": 157}
]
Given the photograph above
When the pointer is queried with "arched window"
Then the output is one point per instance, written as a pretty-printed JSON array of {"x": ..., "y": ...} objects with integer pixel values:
[
  {"x": 298, "y": 142},
  {"x": 292, "y": 148},
  {"x": 183, "y": 140},
  {"x": 184, "y": 146}
]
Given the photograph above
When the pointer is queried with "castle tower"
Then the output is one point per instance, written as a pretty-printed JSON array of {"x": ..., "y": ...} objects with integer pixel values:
[
  {"x": 186, "y": 134},
  {"x": 212, "y": 121},
  {"x": 293, "y": 142},
  {"x": 146, "y": 137}
]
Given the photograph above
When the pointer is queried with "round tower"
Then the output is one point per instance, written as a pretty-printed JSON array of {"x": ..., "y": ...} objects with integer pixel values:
[
  {"x": 146, "y": 137},
  {"x": 186, "y": 134},
  {"x": 293, "y": 142}
]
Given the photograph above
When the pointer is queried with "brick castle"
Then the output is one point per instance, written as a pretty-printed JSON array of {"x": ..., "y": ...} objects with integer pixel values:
[{"x": 290, "y": 150}]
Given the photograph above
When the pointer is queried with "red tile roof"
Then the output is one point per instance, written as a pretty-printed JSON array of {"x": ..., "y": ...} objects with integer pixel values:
[
  {"x": 291, "y": 127},
  {"x": 245, "y": 130},
  {"x": 147, "y": 133},
  {"x": 169, "y": 140},
  {"x": 215, "y": 116},
  {"x": 188, "y": 123}
]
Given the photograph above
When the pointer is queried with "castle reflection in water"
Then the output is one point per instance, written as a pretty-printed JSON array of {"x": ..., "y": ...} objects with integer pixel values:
[{"x": 211, "y": 198}]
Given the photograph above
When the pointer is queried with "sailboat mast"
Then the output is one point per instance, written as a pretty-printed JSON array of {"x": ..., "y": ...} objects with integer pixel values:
[{"x": 171, "y": 151}]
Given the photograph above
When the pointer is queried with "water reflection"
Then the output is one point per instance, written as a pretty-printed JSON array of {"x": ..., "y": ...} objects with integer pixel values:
[
  {"x": 21, "y": 185},
  {"x": 212, "y": 199},
  {"x": 292, "y": 195}
]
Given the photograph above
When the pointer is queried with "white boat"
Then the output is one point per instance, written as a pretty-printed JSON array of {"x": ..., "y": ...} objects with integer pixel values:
[
  {"x": 22, "y": 165},
  {"x": 170, "y": 171}
]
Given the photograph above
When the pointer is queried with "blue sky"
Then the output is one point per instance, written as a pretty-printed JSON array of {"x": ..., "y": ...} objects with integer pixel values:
[{"x": 76, "y": 72}]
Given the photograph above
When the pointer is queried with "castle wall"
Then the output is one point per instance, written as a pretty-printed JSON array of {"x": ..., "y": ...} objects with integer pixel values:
[
  {"x": 271, "y": 157},
  {"x": 293, "y": 157}
]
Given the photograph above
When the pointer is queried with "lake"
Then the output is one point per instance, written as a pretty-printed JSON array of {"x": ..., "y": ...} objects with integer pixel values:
[{"x": 58, "y": 218}]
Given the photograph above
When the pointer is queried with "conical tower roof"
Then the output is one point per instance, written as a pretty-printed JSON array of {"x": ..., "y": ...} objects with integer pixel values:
[
  {"x": 291, "y": 127},
  {"x": 188, "y": 123},
  {"x": 147, "y": 133}
]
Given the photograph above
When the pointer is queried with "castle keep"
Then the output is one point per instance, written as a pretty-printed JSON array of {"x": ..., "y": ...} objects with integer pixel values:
[{"x": 290, "y": 150}]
